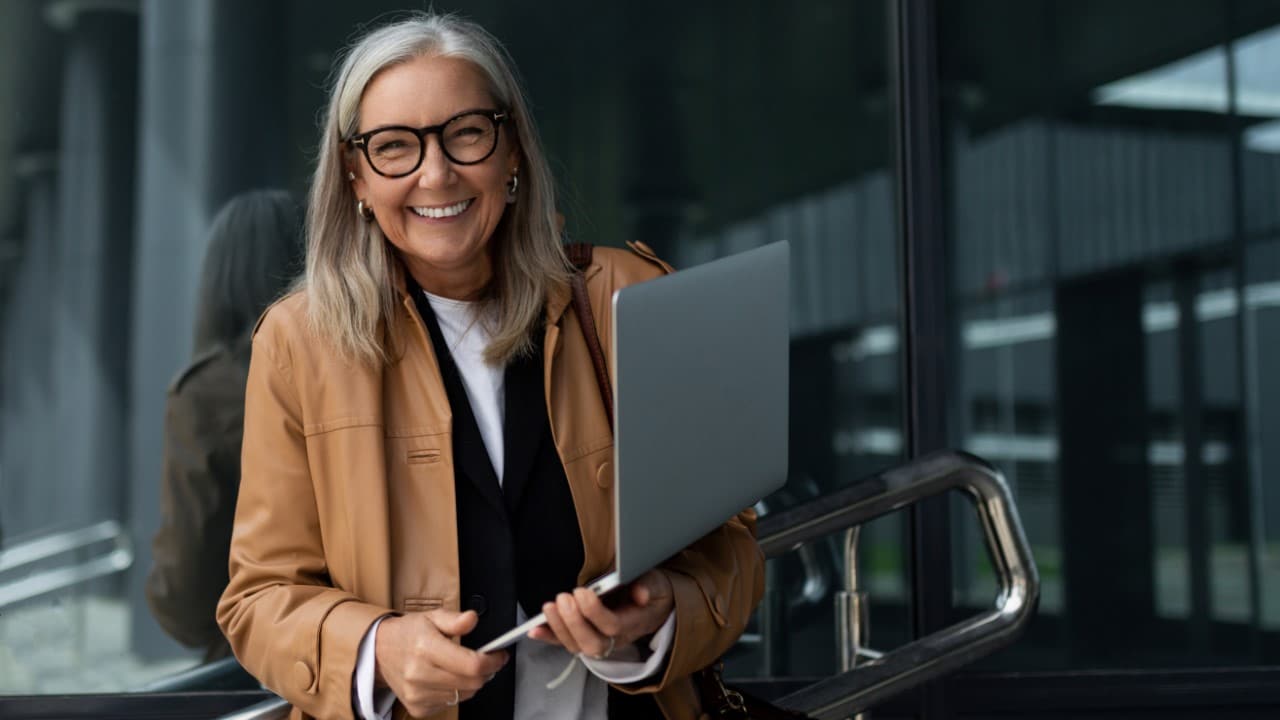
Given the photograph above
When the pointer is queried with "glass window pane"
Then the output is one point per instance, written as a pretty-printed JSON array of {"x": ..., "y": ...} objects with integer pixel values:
[
  {"x": 1262, "y": 328},
  {"x": 128, "y": 128},
  {"x": 1110, "y": 192}
]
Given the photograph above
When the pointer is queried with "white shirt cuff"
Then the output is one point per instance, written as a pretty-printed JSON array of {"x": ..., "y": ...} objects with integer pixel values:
[
  {"x": 371, "y": 704},
  {"x": 625, "y": 666}
]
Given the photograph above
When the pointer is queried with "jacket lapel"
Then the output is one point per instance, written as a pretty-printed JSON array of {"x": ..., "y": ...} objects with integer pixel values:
[
  {"x": 579, "y": 427},
  {"x": 471, "y": 457}
]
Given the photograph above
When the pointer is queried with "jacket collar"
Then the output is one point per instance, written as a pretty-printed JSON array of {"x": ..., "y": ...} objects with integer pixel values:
[{"x": 558, "y": 299}]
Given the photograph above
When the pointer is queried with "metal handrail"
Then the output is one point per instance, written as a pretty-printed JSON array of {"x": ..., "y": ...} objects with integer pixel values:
[
  {"x": 269, "y": 709},
  {"x": 222, "y": 674},
  {"x": 941, "y": 652},
  {"x": 922, "y": 660},
  {"x": 118, "y": 559}
]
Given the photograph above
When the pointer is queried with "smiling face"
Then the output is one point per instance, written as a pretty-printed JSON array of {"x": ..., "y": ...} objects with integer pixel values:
[{"x": 441, "y": 216}]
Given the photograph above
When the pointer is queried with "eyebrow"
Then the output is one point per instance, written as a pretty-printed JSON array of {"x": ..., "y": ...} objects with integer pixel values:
[{"x": 419, "y": 127}]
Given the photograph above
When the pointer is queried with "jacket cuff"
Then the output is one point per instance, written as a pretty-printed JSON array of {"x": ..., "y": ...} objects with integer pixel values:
[
  {"x": 626, "y": 666},
  {"x": 339, "y": 649},
  {"x": 693, "y": 621},
  {"x": 371, "y": 703}
]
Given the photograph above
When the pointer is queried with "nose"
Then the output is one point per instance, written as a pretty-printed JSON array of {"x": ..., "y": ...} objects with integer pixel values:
[{"x": 436, "y": 171}]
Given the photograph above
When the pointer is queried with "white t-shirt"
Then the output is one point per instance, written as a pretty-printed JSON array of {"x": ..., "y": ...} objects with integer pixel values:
[{"x": 581, "y": 695}]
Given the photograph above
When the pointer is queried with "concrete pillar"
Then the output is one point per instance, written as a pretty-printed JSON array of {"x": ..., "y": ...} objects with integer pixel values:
[
  {"x": 93, "y": 269},
  {"x": 29, "y": 487},
  {"x": 213, "y": 111}
]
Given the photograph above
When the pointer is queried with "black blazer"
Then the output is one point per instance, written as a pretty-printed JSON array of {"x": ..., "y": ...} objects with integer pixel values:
[{"x": 518, "y": 541}]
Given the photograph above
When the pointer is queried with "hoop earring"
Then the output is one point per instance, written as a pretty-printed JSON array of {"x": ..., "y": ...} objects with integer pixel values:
[
  {"x": 364, "y": 211},
  {"x": 512, "y": 187}
]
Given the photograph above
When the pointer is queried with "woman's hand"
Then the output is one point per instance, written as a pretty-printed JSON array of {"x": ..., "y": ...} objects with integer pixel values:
[
  {"x": 583, "y": 624},
  {"x": 427, "y": 670}
]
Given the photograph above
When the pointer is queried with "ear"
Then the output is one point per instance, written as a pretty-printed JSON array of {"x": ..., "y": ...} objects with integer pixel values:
[
  {"x": 514, "y": 158},
  {"x": 358, "y": 185}
]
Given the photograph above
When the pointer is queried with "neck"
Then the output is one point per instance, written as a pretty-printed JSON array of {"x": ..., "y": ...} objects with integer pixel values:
[{"x": 467, "y": 283}]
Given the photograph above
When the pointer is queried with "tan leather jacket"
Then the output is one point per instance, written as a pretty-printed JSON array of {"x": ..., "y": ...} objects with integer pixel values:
[{"x": 346, "y": 508}]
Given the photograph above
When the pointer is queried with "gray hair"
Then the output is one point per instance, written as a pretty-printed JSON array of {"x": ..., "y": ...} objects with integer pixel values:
[
  {"x": 254, "y": 252},
  {"x": 351, "y": 268}
]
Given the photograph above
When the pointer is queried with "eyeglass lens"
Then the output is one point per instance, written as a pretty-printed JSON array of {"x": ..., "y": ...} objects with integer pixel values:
[{"x": 465, "y": 139}]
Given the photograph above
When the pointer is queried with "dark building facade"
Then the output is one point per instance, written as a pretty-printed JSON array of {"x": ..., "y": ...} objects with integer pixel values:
[{"x": 1044, "y": 232}]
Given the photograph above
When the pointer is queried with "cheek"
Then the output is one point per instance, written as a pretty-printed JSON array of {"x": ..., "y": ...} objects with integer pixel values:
[{"x": 494, "y": 187}]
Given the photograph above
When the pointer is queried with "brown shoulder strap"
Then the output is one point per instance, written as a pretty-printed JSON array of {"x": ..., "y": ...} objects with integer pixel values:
[{"x": 580, "y": 255}]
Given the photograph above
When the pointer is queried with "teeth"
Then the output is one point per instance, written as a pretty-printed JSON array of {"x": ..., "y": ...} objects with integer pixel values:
[{"x": 442, "y": 212}]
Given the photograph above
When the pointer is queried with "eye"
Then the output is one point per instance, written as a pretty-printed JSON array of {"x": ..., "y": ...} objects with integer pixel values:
[
  {"x": 468, "y": 129},
  {"x": 393, "y": 143},
  {"x": 388, "y": 146}
]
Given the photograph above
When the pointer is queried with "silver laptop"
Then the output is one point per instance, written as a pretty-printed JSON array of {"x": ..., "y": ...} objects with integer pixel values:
[{"x": 700, "y": 387}]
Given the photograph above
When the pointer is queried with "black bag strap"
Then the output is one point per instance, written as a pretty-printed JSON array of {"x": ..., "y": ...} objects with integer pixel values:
[{"x": 580, "y": 255}]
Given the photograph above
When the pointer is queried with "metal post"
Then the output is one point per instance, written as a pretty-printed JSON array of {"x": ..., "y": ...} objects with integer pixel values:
[
  {"x": 851, "y": 610},
  {"x": 772, "y": 624}
]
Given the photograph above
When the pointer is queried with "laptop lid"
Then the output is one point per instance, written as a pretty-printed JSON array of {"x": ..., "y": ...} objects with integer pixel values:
[
  {"x": 700, "y": 383},
  {"x": 701, "y": 374}
]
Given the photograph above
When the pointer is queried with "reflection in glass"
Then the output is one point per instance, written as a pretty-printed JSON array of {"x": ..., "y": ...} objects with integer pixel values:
[
  {"x": 1104, "y": 229},
  {"x": 679, "y": 134}
]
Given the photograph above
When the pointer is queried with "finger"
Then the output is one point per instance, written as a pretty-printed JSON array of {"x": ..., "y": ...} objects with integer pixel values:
[
  {"x": 542, "y": 633},
  {"x": 597, "y": 613},
  {"x": 556, "y": 623},
  {"x": 447, "y": 655},
  {"x": 652, "y": 586},
  {"x": 640, "y": 620},
  {"x": 590, "y": 640},
  {"x": 453, "y": 623},
  {"x": 437, "y": 681},
  {"x": 430, "y": 703}
]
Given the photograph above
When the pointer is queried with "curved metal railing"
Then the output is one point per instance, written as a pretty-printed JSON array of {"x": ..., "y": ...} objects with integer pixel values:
[
  {"x": 929, "y": 657},
  {"x": 269, "y": 709},
  {"x": 222, "y": 674},
  {"x": 32, "y": 552},
  {"x": 941, "y": 652}
]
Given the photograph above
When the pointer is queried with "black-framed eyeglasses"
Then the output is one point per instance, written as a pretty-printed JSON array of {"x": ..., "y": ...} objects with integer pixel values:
[{"x": 466, "y": 139}]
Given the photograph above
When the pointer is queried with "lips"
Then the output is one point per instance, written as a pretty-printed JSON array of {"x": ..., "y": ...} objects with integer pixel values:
[{"x": 443, "y": 211}]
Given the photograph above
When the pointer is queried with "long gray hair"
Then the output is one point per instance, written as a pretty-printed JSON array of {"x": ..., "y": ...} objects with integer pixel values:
[
  {"x": 351, "y": 268},
  {"x": 254, "y": 253}
]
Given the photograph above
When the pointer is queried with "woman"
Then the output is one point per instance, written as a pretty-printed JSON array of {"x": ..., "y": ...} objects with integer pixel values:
[
  {"x": 254, "y": 253},
  {"x": 427, "y": 456}
]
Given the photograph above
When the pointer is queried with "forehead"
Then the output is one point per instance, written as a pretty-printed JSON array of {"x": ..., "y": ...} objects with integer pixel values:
[{"x": 424, "y": 91}]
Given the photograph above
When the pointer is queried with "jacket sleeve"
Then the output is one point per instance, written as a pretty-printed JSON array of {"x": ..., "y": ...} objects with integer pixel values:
[
  {"x": 718, "y": 581},
  {"x": 197, "y": 502},
  {"x": 287, "y": 624}
]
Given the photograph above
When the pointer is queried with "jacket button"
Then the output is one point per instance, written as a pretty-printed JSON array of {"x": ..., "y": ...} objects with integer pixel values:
[
  {"x": 604, "y": 475},
  {"x": 303, "y": 676},
  {"x": 477, "y": 603}
]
